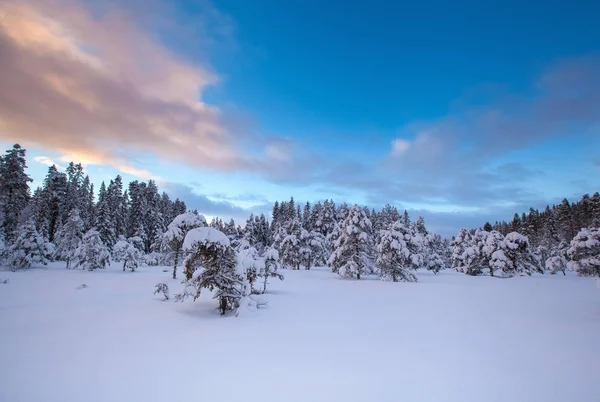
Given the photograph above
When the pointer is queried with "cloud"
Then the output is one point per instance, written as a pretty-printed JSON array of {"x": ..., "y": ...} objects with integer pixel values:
[
  {"x": 44, "y": 160},
  {"x": 95, "y": 83},
  {"x": 202, "y": 203}
]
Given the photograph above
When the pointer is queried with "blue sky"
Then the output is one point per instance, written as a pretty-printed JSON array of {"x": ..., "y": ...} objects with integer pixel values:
[{"x": 460, "y": 111}]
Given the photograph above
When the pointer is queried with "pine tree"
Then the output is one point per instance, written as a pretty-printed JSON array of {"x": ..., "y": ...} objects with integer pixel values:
[
  {"x": 394, "y": 256},
  {"x": 289, "y": 248},
  {"x": 270, "y": 267},
  {"x": 522, "y": 260},
  {"x": 352, "y": 255},
  {"x": 68, "y": 238},
  {"x": 212, "y": 264},
  {"x": 104, "y": 218},
  {"x": 14, "y": 189},
  {"x": 314, "y": 248},
  {"x": 29, "y": 248},
  {"x": 92, "y": 253}
]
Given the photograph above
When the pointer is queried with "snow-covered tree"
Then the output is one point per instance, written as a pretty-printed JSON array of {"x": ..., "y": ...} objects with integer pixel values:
[
  {"x": 521, "y": 258},
  {"x": 212, "y": 264},
  {"x": 174, "y": 237},
  {"x": 124, "y": 251},
  {"x": 250, "y": 262},
  {"x": 314, "y": 248},
  {"x": 269, "y": 267},
  {"x": 92, "y": 253},
  {"x": 584, "y": 253},
  {"x": 290, "y": 245},
  {"x": 28, "y": 248},
  {"x": 352, "y": 255},
  {"x": 68, "y": 238},
  {"x": 394, "y": 257},
  {"x": 14, "y": 189},
  {"x": 461, "y": 243}
]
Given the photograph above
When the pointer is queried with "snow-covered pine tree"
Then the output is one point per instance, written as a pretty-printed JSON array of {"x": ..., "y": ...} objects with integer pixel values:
[
  {"x": 212, "y": 264},
  {"x": 176, "y": 232},
  {"x": 28, "y": 248},
  {"x": 124, "y": 251},
  {"x": 584, "y": 253},
  {"x": 314, "y": 248},
  {"x": 270, "y": 267},
  {"x": 352, "y": 254},
  {"x": 92, "y": 253},
  {"x": 14, "y": 189},
  {"x": 289, "y": 248},
  {"x": 68, "y": 238},
  {"x": 394, "y": 256},
  {"x": 522, "y": 260},
  {"x": 459, "y": 245}
]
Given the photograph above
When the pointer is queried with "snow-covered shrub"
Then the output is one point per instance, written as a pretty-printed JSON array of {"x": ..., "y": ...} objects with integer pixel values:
[
  {"x": 269, "y": 267},
  {"x": 584, "y": 253},
  {"x": 250, "y": 262},
  {"x": 29, "y": 248},
  {"x": 212, "y": 265},
  {"x": 68, "y": 238},
  {"x": 152, "y": 259},
  {"x": 556, "y": 264},
  {"x": 176, "y": 232},
  {"x": 162, "y": 288},
  {"x": 394, "y": 256},
  {"x": 92, "y": 253},
  {"x": 352, "y": 255}
]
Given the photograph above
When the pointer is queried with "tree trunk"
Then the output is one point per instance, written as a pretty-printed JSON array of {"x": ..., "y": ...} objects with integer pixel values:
[
  {"x": 124, "y": 264},
  {"x": 358, "y": 275},
  {"x": 175, "y": 266}
]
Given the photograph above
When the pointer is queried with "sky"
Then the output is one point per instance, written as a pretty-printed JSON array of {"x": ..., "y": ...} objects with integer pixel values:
[{"x": 462, "y": 112}]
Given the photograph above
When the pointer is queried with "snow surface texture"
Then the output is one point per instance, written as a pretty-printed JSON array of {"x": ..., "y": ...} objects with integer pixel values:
[{"x": 449, "y": 337}]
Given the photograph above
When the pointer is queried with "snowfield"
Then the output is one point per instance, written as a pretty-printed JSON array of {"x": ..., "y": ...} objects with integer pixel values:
[{"x": 448, "y": 337}]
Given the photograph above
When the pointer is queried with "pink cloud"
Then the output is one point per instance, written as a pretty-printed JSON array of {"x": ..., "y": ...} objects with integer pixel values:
[{"x": 97, "y": 85}]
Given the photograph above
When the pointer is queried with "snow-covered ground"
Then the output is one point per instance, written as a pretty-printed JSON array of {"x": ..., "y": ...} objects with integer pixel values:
[{"x": 449, "y": 337}]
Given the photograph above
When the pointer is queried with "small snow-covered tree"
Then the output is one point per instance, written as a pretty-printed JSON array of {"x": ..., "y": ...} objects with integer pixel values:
[
  {"x": 584, "y": 253},
  {"x": 29, "y": 248},
  {"x": 556, "y": 263},
  {"x": 313, "y": 248},
  {"x": 394, "y": 258},
  {"x": 352, "y": 255},
  {"x": 212, "y": 264},
  {"x": 68, "y": 238},
  {"x": 124, "y": 251},
  {"x": 177, "y": 230},
  {"x": 522, "y": 260},
  {"x": 92, "y": 253},
  {"x": 250, "y": 262},
  {"x": 269, "y": 267}
]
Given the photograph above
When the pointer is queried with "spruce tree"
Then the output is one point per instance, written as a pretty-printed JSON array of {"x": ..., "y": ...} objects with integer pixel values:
[
  {"x": 14, "y": 189},
  {"x": 28, "y": 248},
  {"x": 352, "y": 254},
  {"x": 92, "y": 253},
  {"x": 68, "y": 238}
]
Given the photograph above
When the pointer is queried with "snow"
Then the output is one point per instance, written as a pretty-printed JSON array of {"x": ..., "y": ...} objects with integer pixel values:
[
  {"x": 205, "y": 234},
  {"x": 449, "y": 337}
]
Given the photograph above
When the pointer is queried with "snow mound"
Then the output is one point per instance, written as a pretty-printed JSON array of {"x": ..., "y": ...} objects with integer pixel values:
[{"x": 205, "y": 235}]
